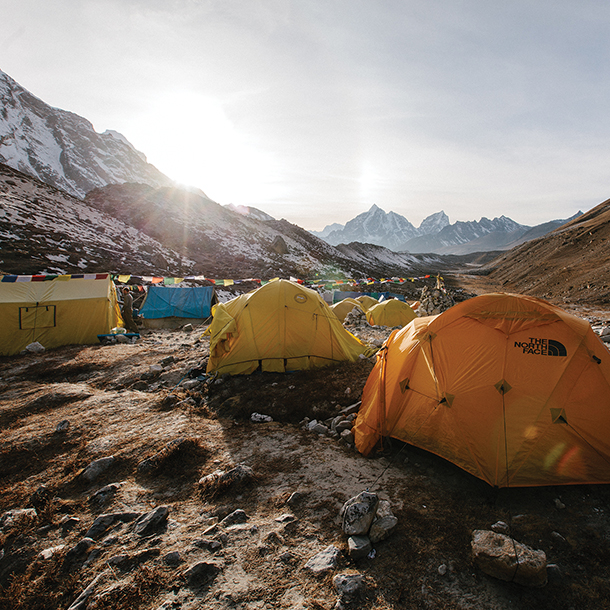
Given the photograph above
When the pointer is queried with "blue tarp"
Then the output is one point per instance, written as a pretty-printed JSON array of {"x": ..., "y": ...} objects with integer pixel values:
[{"x": 178, "y": 302}]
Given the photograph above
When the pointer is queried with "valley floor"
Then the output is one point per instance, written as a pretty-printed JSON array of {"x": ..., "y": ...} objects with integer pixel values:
[{"x": 112, "y": 403}]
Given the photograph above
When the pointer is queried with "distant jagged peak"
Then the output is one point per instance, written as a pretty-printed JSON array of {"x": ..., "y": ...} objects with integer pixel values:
[{"x": 434, "y": 223}]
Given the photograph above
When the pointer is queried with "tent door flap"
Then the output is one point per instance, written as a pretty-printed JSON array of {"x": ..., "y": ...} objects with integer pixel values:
[{"x": 37, "y": 316}]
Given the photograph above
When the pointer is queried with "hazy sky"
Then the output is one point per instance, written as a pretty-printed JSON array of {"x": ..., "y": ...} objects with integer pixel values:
[{"x": 313, "y": 110}]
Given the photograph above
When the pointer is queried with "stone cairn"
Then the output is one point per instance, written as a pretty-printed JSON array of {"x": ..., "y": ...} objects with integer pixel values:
[{"x": 435, "y": 300}]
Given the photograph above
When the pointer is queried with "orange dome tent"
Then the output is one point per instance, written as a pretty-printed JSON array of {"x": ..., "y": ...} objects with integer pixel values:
[{"x": 510, "y": 388}]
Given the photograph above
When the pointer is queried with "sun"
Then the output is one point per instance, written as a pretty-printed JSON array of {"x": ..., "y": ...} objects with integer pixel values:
[{"x": 190, "y": 138}]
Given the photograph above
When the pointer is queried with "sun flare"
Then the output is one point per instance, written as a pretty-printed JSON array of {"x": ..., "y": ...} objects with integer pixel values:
[{"x": 190, "y": 138}]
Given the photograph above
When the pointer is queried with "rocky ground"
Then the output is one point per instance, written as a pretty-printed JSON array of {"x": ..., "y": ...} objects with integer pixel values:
[{"x": 155, "y": 524}]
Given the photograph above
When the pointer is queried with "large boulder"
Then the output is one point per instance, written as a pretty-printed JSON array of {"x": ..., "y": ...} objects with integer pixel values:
[
  {"x": 502, "y": 557},
  {"x": 358, "y": 513}
]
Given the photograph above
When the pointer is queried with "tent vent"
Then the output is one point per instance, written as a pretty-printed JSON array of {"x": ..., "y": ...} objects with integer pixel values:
[
  {"x": 404, "y": 385},
  {"x": 598, "y": 360},
  {"x": 503, "y": 386},
  {"x": 447, "y": 399},
  {"x": 559, "y": 416}
]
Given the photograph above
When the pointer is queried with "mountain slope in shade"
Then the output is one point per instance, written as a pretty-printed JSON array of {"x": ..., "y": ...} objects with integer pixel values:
[
  {"x": 62, "y": 148},
  {"x": 569, "y": 264},
  {"x": 140, "y": 230}
]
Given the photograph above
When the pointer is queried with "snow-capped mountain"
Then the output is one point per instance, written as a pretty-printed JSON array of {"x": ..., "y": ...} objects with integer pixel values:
[
  {"x": 434, "y": 223},
  {"x": 470, "y": 236},
  {"x": 380, "y": 228},
  {"x": 63, "y": 149},
  {"x": 435, "y": 234}
]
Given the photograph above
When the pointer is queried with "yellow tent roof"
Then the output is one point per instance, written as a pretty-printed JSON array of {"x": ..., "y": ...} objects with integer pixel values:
[
  {"x": 342, "y": 308},
  {"x": 65, "y": 310},
  {"x": 281, "y": 326},
  {"x": 366, "y": 301},
  {"x": 390, "y": 313},
  {"x": 510, "y": 388}
]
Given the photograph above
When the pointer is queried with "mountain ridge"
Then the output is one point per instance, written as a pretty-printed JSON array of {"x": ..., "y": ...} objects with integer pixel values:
[{"x": 62, "y": 148}]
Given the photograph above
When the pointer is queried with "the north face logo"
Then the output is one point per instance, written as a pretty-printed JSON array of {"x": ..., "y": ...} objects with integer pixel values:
[{"x": 542, "y": 347}]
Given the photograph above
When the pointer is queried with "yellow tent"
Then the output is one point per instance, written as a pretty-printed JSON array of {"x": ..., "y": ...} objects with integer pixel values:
[
  {"x": 390, "y": 313},
  {"x": 366, "y": 301},
  {"x": 510, "y": 388},
  {"x": 60, "y": 311},
  {"x": 281, "y": 326},
  {"x": 342, "y": 308}
]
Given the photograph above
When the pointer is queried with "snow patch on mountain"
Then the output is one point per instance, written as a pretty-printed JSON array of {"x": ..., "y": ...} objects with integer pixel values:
[{"x": 62, "y": 148}]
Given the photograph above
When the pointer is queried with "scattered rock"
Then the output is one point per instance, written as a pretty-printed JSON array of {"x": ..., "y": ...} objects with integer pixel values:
[
  {"x": 201, "y": 574},
  {"x": 219, "y": 481},
  {"x": 104, "y": 494},
  {"x": 347, "y": 437},
  {"x": 287, "y": 557},
  {"x": 17, "y": 517},
  {"x": 278, "y": 245},
  {"x": 500, "y": 527},
  {"x": 190, "y": 384},
  {"x": 358, "y": 513},
  {"x": 348, "y": 586},
  {"x": 77, "y": 553},
  {"x": 495, "y": 555},
  {"x": 295, "y": 498},
  {"x": 324, "y": 560},
  {"x": 172, "y": 559},
  {"x": 152, "y": 521},
  {"x": 48, "y": 553},
  {"x": 96, "y": 468},
  {"x": 41, "y": 497},
  {"x": 67, "y": 523},
  {"x": 207, "y": 543},
  {"x": 359, "y": 546},
  {"x": 62, "y": 426},
  {"x": 259, "y": 417},
  {"x": 237, "y": 516},
  {"x": 554, "y": 573},
  {"x": 153, "y": 463},
  {"x": 286, "y": 518},
  {"x": 103, "y": 522},
  {"x": 384, "y": 522},
  {"x": 34, "y": 348}
]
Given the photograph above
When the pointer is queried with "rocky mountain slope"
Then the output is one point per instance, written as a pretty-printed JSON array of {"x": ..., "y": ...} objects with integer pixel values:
[
  {"x": 62, "y": 148},
  {"x": 141, "y": 230},
  {"x": 569, "y": 265}
]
